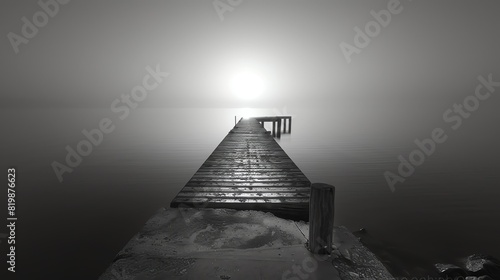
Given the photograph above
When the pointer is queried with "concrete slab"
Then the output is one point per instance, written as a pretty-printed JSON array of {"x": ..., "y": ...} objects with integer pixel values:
[{"x": 187, "y": 243}]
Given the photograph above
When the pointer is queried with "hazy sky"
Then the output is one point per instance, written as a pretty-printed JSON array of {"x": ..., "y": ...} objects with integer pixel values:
[{"x": 91, "y": 52}]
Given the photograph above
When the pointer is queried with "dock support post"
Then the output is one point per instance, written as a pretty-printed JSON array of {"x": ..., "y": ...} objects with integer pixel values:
[
  {"x": 321, "y": 214},
  {"x": 274, "y": 128},
  {"x": 290, "y": 125},
  {"x": 279, "y": 128},
  {"x": 284, "y": 125}
]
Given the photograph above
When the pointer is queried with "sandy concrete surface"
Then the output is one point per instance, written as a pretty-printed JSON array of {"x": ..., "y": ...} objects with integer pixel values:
[{"x": 188, "y": 243}]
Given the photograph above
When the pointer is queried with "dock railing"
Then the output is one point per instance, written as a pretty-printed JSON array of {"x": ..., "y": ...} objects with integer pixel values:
[{"x": 277, "y": 121}]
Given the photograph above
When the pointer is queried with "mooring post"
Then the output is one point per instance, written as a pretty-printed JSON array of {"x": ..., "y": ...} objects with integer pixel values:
[{"x": 321, "y": 213}]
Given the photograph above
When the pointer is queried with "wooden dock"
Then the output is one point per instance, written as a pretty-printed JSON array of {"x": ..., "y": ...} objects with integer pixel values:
[{"x": 249, "y": 171}]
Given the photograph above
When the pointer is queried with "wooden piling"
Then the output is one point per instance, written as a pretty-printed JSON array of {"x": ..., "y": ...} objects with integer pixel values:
[
  {"x": 279, "y": 128},
  {"x": 321, "y": 216}
]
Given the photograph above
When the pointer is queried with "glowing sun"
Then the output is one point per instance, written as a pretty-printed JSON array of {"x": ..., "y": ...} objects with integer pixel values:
[{"x": 247, "y": 85}]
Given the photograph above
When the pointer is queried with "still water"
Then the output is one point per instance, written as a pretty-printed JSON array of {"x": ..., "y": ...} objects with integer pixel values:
[{"x": 72, "y": 229}]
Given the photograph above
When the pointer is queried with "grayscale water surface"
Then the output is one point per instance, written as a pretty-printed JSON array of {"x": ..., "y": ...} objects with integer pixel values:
[{"x": 448, "y": 209}]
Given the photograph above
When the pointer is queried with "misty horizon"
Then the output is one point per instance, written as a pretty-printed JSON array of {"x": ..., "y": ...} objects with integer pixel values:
[{"x": 369, "y": 85}]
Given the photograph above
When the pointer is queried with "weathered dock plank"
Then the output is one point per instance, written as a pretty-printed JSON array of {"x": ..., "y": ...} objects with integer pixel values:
[{"x": 248, "y": 170}]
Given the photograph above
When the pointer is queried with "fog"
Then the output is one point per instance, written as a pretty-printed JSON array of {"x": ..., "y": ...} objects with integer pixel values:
[{"x": 359, "y": 101}]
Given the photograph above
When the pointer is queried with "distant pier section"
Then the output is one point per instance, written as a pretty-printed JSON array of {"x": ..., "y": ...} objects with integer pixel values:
[
  {"x": 250, "y": 171},
  {"x": 277, "y": 122}
]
